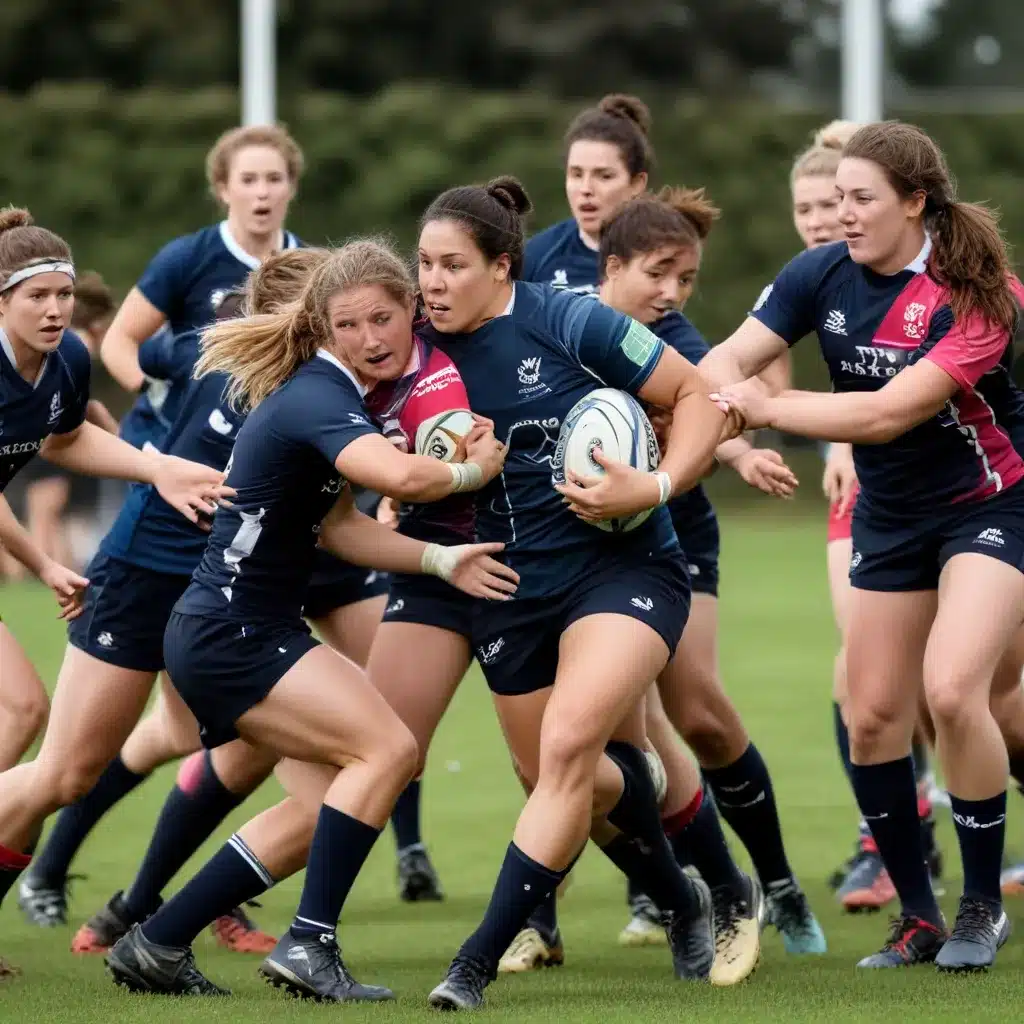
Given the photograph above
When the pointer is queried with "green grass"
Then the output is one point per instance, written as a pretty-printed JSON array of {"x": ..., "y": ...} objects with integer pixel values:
[{"x": 777, "y": 647}]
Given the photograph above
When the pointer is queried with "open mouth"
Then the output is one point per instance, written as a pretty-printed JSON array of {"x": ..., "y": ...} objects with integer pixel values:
[
  {"x": 438, "y": 308},
  {"x": 588, "y": 209},
  {"x": 51, "y": 330},
  {"x": 261, "y": 211},
  {"x": 377, "y": 360}
]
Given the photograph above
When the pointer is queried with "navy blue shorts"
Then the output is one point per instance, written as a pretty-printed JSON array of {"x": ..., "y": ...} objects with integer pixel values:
[
  {"x": 429, "y": 601},
  {"x": 900, "y": 555},
  {"x": 517, "y": 641},
  {"x": 700, "y": 542},
  {"x": 223, "y": 668},
  {"x": 335, "y": 584},
  {"x": 126, "y": 612}
]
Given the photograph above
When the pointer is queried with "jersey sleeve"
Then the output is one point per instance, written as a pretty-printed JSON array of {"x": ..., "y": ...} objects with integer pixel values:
[
  {"x": 156, "y": 355},
  {"x": 677, "y": 332},
  {"x": 967, "y": 349},
  {"x": 164, "y": 281},
  {"x": 78, "y": 364},
  {"x": 327, "y": 417},
  {"x": 617, "y": 349},
  {"x": 786, "y": 306},
  {"x": 440, "y": 389}
]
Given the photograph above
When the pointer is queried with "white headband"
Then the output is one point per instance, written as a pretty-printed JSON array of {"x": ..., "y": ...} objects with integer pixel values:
[{"x": 56, "y": 267}]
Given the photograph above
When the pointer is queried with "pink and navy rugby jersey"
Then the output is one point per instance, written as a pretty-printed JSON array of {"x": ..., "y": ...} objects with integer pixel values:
[
  {"x": 870, "y": 326},
  {"x": 430, "y": 387}
]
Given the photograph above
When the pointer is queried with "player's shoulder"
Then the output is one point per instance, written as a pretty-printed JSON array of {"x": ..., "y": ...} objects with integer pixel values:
[
  {"x": 822, "y": 261},
  {"x": 437, "y": 370},
  {"x": 321, "y": 381},
  {"x": 74, "y": 355},
  {"x": 550, "y": 240},
  {"x": 195, "y": 245}
]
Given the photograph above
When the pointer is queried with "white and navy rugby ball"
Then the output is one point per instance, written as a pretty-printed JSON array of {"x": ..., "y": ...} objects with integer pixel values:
[
  {"x": 615, "y": 423},
  {"x": 439, "y": 436}
]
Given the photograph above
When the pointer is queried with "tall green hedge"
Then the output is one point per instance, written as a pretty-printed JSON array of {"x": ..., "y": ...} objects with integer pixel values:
[{"x": 119, "y": 174}]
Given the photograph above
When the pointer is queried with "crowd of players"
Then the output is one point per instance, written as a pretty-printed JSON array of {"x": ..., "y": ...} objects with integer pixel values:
[{"x": 279, "y": 382}]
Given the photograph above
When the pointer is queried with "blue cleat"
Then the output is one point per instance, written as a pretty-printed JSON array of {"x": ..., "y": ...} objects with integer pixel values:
[{"x": 791, "y": 915}]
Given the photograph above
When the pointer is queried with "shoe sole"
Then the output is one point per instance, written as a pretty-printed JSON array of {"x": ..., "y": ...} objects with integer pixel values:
[
  {"x": 539, "y": 962},
  {"x": 280, "y": 977},
  {"x": 636, "y": 940},
  {"x": 445, "y": 1004}
]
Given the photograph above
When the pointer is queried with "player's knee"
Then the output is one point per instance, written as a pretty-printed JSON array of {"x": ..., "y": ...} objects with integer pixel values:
[
  {"x": 398, "y": 751},
  {"x": 75, "y": 779},
  {"x": 952, "y": 695},
  {"x": 26, "y": 712},
  {"x": 567, "y": 755},
  {"x": 870, "y": 727}
]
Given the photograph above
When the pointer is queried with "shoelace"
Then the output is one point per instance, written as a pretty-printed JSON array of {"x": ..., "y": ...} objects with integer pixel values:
[
  {"x": 728, "y": 913},
  {"x": 469, "y": 973},
  {"x": 973, "y": 919},
  {"x": 902, "y": 934},
  {"x": 191, "y": 976},
  {"x": 790, "y": 909}
]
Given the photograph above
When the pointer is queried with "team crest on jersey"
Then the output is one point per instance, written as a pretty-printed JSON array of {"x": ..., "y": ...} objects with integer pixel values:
[
  {"x": 217, "y": 297},
  {"x": 913, "y": 320},
  {"x": 529, "y": 370},
  {"x": 529, "y": 377},
  {"x": 56, "y": 409},
  {"x": 560, "y": 280}
]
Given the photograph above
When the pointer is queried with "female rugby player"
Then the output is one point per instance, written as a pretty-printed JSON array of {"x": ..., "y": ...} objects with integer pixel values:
[
  {"x": 527, "y": 354},
  {"x": 863, "y": 882},
  {"x": 244, "y": 661},
  {"x": 914, "y": 313}
]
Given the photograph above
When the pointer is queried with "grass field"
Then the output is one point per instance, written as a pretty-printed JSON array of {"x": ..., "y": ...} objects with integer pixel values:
[{"x": 777, "y": 646}]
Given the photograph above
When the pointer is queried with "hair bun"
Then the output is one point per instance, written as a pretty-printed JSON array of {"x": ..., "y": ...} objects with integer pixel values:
[
  {"x": 835, "y": 134},
  {"x": 629, "y": 107},
  {"x": 14, "y": 217},
  {"x": 510, "y": 193}
]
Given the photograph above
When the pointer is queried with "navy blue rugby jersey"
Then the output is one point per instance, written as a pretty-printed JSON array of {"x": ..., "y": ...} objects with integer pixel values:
[
  {"x": 559, "y": 257},
  {"x": 54, "y": 404},
  {"x": 148, "y": 532},
  {"x": 525, "y": 370},
  {"x": 189, "y": 276},
  {"x": 870, "y": 326},
  {"x": 693, "y": 508},
  {"x": 260, "y": 553}
]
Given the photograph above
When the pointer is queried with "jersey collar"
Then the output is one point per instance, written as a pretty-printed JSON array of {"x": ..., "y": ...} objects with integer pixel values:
[
  {"x": 511, "y": 303},
  {"x": 285, "y": 241},
  {"x": 919, "y": 264},
  {"x": 8, "y": 350},
  {"x": 335, "y": 361}
]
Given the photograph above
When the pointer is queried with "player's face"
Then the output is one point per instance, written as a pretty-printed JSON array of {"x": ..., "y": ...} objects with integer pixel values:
[
  {"x": 878, "y": 223},
  {"x": 372, "y": 332},
  {"x": 258, "y": 189},
  {"x": 36, "y": 312},
  {"x": 596, "y": 182},
  {"x": 816, "y": 210},
  {"x": 652, "y": 284},
  {"x": 461, "y": 288}
]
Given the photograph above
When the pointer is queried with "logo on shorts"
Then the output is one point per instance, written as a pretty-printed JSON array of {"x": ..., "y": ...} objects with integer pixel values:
[
  {"x": 835, "y": 322},
  {"x": 489, "y": 653},
  {"x": 372, "y": 578},
  {"x": 693, "y": 569},
  {"x": 105, "y": 639},
  {"x": 397, "y": 606},
  {"x": 643, "y": 603},
  {"x": 993, "y": 537},
  {"x": 856, "y": 560}
]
